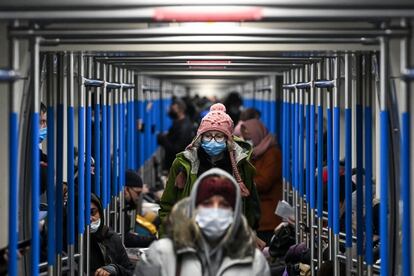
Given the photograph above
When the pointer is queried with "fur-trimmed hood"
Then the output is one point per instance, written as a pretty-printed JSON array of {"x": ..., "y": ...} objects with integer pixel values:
[{"x": 239, "y": 240}]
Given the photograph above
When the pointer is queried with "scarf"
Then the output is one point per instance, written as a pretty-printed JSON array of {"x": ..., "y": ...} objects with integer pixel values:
[{"x": 260, "y": 136}]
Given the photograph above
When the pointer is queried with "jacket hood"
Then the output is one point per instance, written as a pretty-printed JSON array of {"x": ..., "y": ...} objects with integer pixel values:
[
  {"x": 237, "y": 208},
  {"x": 102, "y": 230},
  {"x": 186, "y": 235}
]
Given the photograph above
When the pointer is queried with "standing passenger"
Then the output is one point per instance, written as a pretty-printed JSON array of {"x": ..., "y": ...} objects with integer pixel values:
[
  {"x": 213, "y": 146},
  {"x": 267, "y": 159},
  {"x": 179, "y": 135},
  {"x": 207, "y": 235}
]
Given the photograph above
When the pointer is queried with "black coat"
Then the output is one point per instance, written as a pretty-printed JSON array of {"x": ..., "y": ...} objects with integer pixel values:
[
  {"x": 133, "y": 239},
  {"x": 107, "y": 248},
  {"x": 178, "y": 137}
]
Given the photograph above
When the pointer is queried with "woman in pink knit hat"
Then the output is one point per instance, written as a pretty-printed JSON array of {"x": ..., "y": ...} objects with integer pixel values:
[{"x": 213, "y": 146}]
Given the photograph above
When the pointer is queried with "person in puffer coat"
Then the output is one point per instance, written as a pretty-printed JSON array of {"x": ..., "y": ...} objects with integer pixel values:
[
  {"x": 213, "y": 147},
  {"x": 107, "y": 255},
  {"x": 207, "y": 235}
]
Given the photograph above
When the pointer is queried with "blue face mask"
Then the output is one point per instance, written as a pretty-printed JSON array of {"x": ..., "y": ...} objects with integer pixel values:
[
  {"x": 42, "y": 134},
  {"x": 213, "y": 148}
]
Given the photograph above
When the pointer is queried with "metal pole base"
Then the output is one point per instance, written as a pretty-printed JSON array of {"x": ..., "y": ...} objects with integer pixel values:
[
  {"x": 107, "y": 216},
  {"x": 369, "y": 270},
  {"x": 71, "y": 260},
  {"x": 312, "y": 241},
  {"x": 320, "y": 256},
  {"x": 116, "y": 214},
  {"x": 122, "y": 215},
  {"x": 301, "y": 203},
  {"x": 335, "y": 257},
  {"x": 297, "y": 217},
  {"x": 59, "y": 264},
  {"x": 331, "y": 245},
  {"x": 360, "y": 266},
  {"x": 88, "y": 249},
  {"x": 51, "y": 270},
  {"x": 349, "y": 263},
  {"x": 81, "y": 262}
]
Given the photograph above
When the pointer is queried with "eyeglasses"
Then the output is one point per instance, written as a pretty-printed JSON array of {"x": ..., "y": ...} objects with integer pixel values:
[{"x": 218, "y": 137}]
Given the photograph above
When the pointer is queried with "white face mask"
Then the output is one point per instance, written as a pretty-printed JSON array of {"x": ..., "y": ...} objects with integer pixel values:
[
  {"x": 95, "y": 225},
  {"x": 214, "y": 222}
]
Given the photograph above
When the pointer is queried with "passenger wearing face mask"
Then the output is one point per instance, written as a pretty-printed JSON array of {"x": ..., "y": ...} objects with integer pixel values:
[
  {"x": 267, "y": 159},
  {"x": 179, "y": 135},
  {"x": 213, "y": 147},
  {"x": 133, "y": 189},
  {"x": 107, "y": 255},
  {"x": 207, "y": 235}
]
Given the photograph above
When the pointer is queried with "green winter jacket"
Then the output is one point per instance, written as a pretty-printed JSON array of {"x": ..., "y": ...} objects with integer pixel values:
[{"x": 187, "y": 161}]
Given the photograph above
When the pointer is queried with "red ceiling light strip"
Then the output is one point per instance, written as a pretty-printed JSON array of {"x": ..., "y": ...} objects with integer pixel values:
[
  {"x": 208, "y": 67},
  {"x": 201, "y": 14},
  {"x": 208, "y": 61}
]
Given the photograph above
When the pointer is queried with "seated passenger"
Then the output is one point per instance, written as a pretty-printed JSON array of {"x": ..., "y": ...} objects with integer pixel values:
[
  {"x": 213, "y": 147},
  {"x": 107, "y": 254},
  {"x": 133, "y": 189},
  {"x": 206, "y": 234}
]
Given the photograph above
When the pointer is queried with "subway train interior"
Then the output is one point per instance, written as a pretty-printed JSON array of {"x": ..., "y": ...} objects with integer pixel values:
[{"x": 102, "y": 102}]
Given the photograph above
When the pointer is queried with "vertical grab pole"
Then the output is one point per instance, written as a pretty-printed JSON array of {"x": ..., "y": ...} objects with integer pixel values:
[
  {"x": 147, "y": 127},
  {"x": 88, "y": 165},
  {"x": 287, "y": 141},
  {"x": 104, "y": 193},
  {"x": 81, "y": 161},
  {"x": 141, "y": 123},
  {"x": 14, "y": 61},
  {"x": 320, "y": 167},
  {"x": 311, "y": 168},
  {"x": 336, "y": 141},
  {"x": 306, "y": 134},
  {"x": 296, "y": 158},
  {"x": 115, "y": 149},
  {"x": 369, "y": 259},
  {"x": 284, "y": 127},
  {"x": 359, "y": 165},
  {"x": 129, "y": 144},
  {"x": 301, "y": 153},
  {"x": 108, "y": 147},
  {"x": 132, "y": 127},
  {"x": 384, "y": 154},
  {"x": 329, "y": 111},
  {"x": 97, "y": 137},
  {"x": 348, "y": 162},
  {"x": 71, "y": 182},
  {"x": 35, "y": 158},
  {"x": 274, "y": 101},
  {"x": 122, "y": 76},
  {"x": 51, "y": 189},
  {"x": 61, "y": 92},
  {"x": 405, "y": 155}
]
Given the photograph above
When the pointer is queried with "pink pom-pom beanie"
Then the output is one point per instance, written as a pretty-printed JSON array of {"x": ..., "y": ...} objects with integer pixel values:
[{"x": 218, "y": 120}]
